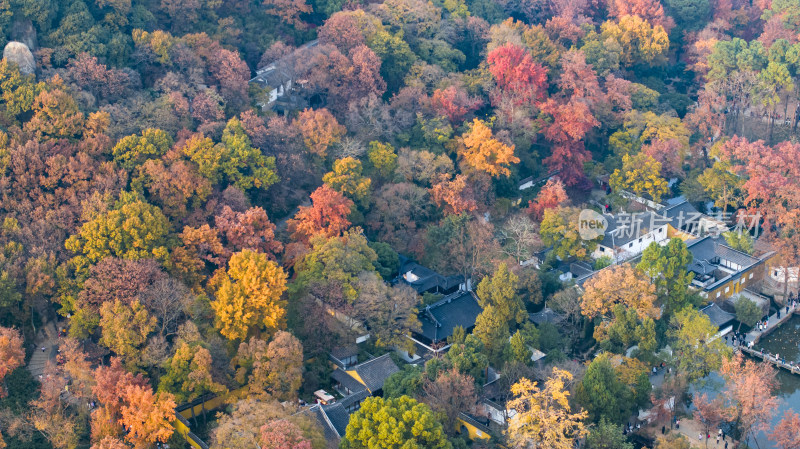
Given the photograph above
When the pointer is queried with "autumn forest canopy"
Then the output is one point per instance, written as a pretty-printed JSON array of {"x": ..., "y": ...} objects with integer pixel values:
[{"x": 247, "y": 206}]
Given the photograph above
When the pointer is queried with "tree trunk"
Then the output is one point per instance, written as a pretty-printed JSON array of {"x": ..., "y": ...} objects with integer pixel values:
[
  {"x": 786, "y": 108},
  {"x": 771, "y": 126}
]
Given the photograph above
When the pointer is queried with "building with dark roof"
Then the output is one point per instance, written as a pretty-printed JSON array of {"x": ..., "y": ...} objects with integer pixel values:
[
  {"x": 684, "y": 217},
  {"x": 628, "y": 234},
  {"x": 439, "y": 319},
  {"x": 546, "y": 315},
  {"x": 279, "y": 77},
  {"x": 329, "y": 431},
  {"x": 353, "y": 402},
  {"x": 368, "y": 376},
  {"x": 373, "y": 373},
  {"x": 717, "y": 316},
  {"x": 346, "y": 384},
  {"x": 580, "y": 269},
  {"x": 344, "y": 356},
  {"x": 425, "y": 280},
  {"x": 721, "y": 271},
  {"x": 334, "y": 419},
  {"x": 356, "y": 384}
]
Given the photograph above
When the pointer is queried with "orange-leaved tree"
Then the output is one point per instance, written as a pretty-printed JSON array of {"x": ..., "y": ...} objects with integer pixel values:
[
  {"x": 283, "y": 434},
  {"x": 320, "y": 130},
  {"x": 11, "y": 353},
  {"x": 483, "y": 152},
  {"x": 748, "y": 395},
  {"x": 326, "y": 217},
  {"x": 454, "y": 196},
  {"x": 109, "y": 389},
  {"x": 147, "y": 416},
  {"x": 785, "y": 434},
  {"x": 620, "y": 295},
  {"x": 551, "y": 196}
]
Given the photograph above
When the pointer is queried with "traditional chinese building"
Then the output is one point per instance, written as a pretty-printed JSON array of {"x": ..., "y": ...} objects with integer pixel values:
[
  {"x": 439, "y": 319},
  {"x": 721, "y": 271},
  {"x": 628, "y": 234}
]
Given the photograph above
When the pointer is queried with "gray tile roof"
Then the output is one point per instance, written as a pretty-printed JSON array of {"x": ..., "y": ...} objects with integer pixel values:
[
  {"x": 375, "y": 372},
  {"x": 342, "y": 352},
  {"x": 737, "y": 257},
  {"x": 547, "y": 315},
  {"x": 427, "y": 279},
  {"x": 347, "y": 381},
  {"x": 439, "y": 319},
  {"x": 707, "y": 249},
  {"x": 623, "y": 229},
  {"x": 674, "y": 201},
  {"x": 702, "y": 267},
  {"x": 329, "y": 431},
  {"x": 682, "y": 215},
  {"x": 580, "y": 269},
  {"x": 718, "y": 316},
  {"x": 348, "y": 400},
  {"x": 338, "y": 417},
  {"x": 344, "y": 356}
]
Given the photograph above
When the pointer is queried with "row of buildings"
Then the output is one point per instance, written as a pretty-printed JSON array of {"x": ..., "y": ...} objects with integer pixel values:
[
  {"x": 355, "y": 381},
  {"x": 721, "y": 274}
]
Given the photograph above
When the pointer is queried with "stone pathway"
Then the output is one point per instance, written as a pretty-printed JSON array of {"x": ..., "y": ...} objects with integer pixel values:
[
  {"x": 691, "y": 429},
  {"x": 772, "y": 322},
  {"x": 46, "y": 338}
]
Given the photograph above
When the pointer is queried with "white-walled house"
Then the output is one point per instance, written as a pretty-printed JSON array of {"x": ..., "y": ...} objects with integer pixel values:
[
  {"x": 279, "y": 77},
  {"x": 628, "y": 234}
]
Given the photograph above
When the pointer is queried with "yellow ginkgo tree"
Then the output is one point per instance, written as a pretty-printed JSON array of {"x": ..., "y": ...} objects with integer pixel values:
[
  {"x": 483, "y": 152},
  {"x": 248, "y": 295},
  {"x": 641, "y": 175},
  {"x": 543, "y": 416}
]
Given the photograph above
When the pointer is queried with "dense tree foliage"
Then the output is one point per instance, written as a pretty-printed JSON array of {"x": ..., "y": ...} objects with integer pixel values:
[
  {"x": 394, "y": 423},
  {"x": 205, "y": 198}
]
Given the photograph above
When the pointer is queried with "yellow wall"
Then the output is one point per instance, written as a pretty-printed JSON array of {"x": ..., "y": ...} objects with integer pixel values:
[
  {"x": 183, "y": 429},
  {"x": 215, "y": 402},
  {"x": 473, "y": 432},
  {"x": 211, "y": 404},
  {"x": 735, "y": 285}
]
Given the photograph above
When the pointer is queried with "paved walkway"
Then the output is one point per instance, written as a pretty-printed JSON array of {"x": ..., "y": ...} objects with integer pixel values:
[
  {"x": 755, "y": 335},
  {"x": 46, "y": 338},
  {"x": 691, "y": 429},
  {"x": 772, "y": 322}
]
